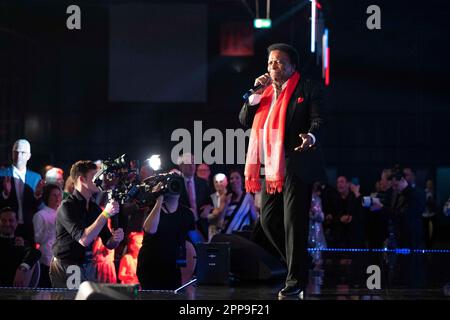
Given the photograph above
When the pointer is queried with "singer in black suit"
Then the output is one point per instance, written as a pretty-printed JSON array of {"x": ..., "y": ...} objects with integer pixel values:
[{"x": 286, "y": 202}]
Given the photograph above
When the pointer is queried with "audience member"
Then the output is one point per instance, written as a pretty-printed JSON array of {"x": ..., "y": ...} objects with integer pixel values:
[
  {"x": 44, "y": 222},
  {"x": 220, "y": 200},
  {"x": 55, "y": 176},
  {"x": 103, "y": 259},
  {"x": 18, "y": 260},
  {"x": 21, "y": 189},
  {"x": 195, "y": 195},
  {"x": 128, "y": 263},
  {"x": 204, "y": 172},
  {"x": 350, "y": 224},
  {"x": 316, "y": 237},
  {"x": 241, "y": 213},
  {"x": 429, "y": 215}
]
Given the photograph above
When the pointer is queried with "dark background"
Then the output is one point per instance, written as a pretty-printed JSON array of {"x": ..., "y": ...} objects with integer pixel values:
[{"x": 388, "y": 101}]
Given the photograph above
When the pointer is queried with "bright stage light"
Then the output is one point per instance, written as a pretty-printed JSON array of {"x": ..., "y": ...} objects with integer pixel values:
[{"x": 154, "y": 162}]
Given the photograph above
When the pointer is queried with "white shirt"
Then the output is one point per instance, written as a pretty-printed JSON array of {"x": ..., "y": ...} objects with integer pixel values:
[
  {"x": 254, "y": 99},
  {"x": 44, "y": 222}
]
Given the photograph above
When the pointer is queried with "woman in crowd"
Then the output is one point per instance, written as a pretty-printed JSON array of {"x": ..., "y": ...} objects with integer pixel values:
[
  {"x": 44, "y": 224},
  {"x": 128, "y": 263},
  {"x": 241, "y": 212}
]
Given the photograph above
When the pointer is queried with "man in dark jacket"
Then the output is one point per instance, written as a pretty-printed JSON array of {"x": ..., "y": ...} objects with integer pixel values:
[
  {"x": 21, "y": 189},
  {"x": 18, "y": 259}
]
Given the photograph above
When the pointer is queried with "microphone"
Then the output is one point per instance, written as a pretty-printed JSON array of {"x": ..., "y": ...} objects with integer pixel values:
[{"x": 252, "y": 91}]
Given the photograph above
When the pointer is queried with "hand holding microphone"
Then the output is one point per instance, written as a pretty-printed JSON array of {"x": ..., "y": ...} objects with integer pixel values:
[{"x": 260, "y": 84}]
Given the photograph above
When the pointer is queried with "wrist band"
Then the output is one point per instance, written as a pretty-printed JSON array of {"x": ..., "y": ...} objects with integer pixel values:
[{"x": 106, "y": 214}]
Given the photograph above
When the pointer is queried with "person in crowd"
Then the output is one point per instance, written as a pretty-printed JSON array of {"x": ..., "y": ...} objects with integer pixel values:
[
  {"x": 220, "y": 200},
  {"x": 195, "y": 195},
  {"x": 103, "y": 259},
  {"x": 446, "y": 208},
  {"x": 350, "y": 224},
  {"x": 21, "y": 189},
  {"x": 378, "y": 220},
  {"x": 429, "y": 215},
  {"x": 128, "y": 263},
  {"x": 406, "y": 212},
  {"x": 316, "y": 237},
  {"x": 44, "y": 222},
  {"x": 18, "y": 259},
  {"x": 55, "y": 176},
  {"x": 241, "y": 213},
  {"x": 204, "y": 172},
  {"x": 44, "y": 170},
  {"x": 69, "y": 187}
]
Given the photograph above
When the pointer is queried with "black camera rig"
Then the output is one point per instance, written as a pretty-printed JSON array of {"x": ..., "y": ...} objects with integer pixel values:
[{"x": 120, "y": 179}]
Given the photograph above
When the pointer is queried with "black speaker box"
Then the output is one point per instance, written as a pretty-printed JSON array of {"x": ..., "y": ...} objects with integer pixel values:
[
  {"x": 249, "y": 261},
  {"x": 213, "y": 263}
]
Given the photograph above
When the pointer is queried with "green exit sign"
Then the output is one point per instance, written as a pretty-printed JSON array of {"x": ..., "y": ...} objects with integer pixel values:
[{"x": 262, "y": 23}]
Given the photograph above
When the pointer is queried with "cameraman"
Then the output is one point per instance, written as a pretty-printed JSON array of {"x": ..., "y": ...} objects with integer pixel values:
[
  {"x": 79, "y": 221},
  {"x": 164, "y": 239}
]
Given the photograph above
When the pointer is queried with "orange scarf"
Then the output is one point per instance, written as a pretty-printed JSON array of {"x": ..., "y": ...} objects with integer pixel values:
[{"x": 274, "y": 155}]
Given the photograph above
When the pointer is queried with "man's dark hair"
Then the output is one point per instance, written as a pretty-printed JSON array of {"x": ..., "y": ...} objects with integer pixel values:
[
  {"x": 397, "y": 173},
  {"x": 232, "y": 170},
  {"x": 342, "y": 176},
  {"x": 410, "y": 169},
  {"x": 289, "y": 50},
  {"x": 81, "y": 168},
  {"x": 46, "y": 192}
]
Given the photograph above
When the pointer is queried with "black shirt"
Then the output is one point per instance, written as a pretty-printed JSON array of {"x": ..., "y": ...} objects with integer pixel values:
[
  {"x": 160, "y": 249},
  {"x": 71, "y": 220},
  {"x": 11, "y": 256}
]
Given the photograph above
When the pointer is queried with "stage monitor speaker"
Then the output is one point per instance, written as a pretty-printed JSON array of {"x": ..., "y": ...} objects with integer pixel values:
[
  {"x": 249, "y": 261},
  {"x": 99, "y": 291},
  {"x": 213, "y": 263}
]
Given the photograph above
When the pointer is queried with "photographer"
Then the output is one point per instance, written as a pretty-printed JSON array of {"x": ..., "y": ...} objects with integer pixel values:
[
  {"x": 79, "y": 221},
  {"x": 165, "y": 234}
]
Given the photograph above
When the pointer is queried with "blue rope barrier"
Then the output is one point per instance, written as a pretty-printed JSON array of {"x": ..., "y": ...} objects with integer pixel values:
[{"x": 398, "y": 251}]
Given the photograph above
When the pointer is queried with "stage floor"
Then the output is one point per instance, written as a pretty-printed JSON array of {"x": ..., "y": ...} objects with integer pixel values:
[{"x": 339, "y": 276}]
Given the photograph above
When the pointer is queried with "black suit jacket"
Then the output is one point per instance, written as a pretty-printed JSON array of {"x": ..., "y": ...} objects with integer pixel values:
[
  {"x": 30, "y": 204},
  {"x": 407, "y": 216},
  {"x": 202, "y": 194},
  {"x": 301, "y": 117},
  {"x": 202, "y": 197},
  {"x": 11, "y": 256}
]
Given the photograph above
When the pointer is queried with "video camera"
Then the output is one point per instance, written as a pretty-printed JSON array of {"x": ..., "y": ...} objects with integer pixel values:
[{"x": 120, "y": 179}]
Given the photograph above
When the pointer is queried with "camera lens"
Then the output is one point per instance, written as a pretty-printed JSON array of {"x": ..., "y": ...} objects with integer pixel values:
[{"x": 174, "y": 185}]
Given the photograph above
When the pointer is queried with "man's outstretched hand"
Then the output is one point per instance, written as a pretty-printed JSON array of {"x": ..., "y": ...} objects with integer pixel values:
[{"x": 306, "y": 142}]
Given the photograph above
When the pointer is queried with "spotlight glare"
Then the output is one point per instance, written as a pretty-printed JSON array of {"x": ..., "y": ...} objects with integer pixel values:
[{"x": 155, "y": 162}]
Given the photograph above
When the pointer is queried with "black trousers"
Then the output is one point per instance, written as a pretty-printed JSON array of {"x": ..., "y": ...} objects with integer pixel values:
[
  {"x": 59, "y": 275},
  {"x": 285, "y": 221},
  {"x": 44, "y": 280}
]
